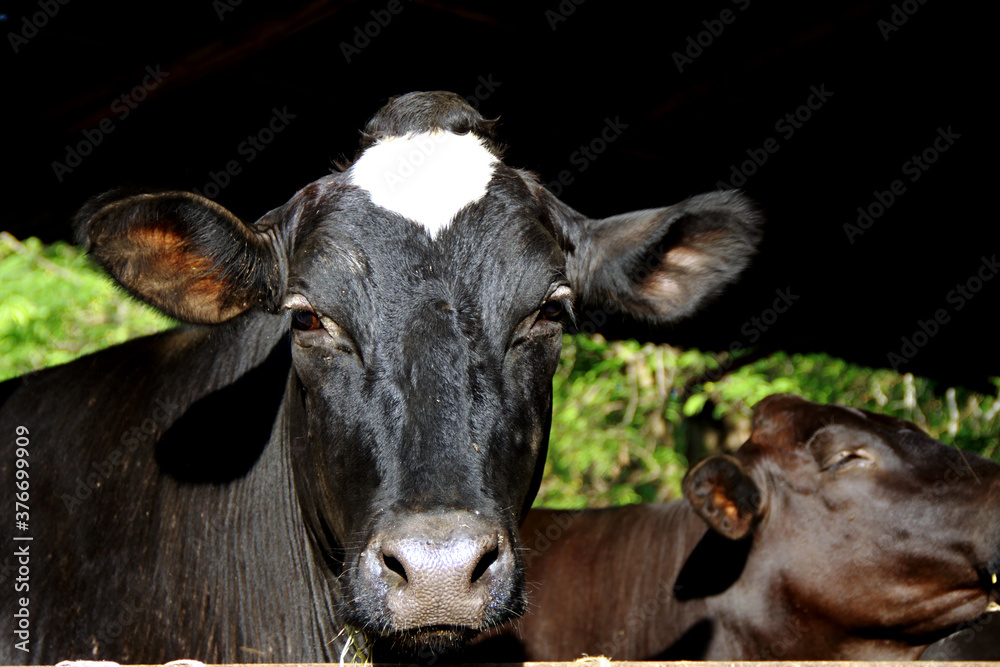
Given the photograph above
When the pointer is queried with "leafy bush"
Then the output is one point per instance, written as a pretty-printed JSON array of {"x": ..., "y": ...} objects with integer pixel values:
[
  {"x": 627, "y": 418},
  {"x": 55, "y": 306}
]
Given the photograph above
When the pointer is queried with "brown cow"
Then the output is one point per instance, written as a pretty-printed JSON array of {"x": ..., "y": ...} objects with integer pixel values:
[
  {"x": 977, "y": 640},
  {"x": 831, "y": 534}
]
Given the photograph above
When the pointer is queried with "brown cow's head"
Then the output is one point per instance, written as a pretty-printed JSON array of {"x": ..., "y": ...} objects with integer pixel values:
[{"x": 863, "y": 520}]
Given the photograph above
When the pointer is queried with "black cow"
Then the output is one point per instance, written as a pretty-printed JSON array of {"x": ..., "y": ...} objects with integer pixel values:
[
  {"x": 832, "y": 534},
  {"x": 340, "y": 450}
]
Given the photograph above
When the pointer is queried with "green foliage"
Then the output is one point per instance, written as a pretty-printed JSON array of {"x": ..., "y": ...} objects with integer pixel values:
[
  {"x": 627, "y": 418},
  {"x": 55, "y": 305},
  {"x": 612, "y": 438},
  {"x": 956, "y": 416}
]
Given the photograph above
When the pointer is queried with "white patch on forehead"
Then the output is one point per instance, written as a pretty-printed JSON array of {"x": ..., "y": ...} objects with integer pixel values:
[{"x": 427, "y": 177}]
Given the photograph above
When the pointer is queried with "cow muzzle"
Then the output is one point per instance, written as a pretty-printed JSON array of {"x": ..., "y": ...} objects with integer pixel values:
[{"x": 440, "y": 572}]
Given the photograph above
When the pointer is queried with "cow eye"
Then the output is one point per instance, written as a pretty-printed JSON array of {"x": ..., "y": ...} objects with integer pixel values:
[
  {"x": 551, "y": 311},
  {"x": 305, "y": 320},
  {"x": 556, "y": 305},
  {"x": 547, "y": 321},
  {"x": 844, "y": 458}
]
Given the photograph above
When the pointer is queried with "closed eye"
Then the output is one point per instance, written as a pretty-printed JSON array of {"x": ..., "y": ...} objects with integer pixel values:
[{"x": 845, "y": 458}]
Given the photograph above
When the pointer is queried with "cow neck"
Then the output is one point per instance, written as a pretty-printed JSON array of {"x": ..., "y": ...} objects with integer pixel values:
[
  {"x": 681, "y": 616},
  {"x": 724, "y": 606},
  {"x": 232, "y": 348},
  {"x": 682, "y": 579},
  {"x": 260, "y": 545},
  {"x": 730, "y": 604}
]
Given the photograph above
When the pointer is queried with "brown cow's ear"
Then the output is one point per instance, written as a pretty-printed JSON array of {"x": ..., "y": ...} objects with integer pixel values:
[
  {"x": 181, "y": 253},
  {"x": 723, "y": 495},
  {"x": 658, "y": 265}
]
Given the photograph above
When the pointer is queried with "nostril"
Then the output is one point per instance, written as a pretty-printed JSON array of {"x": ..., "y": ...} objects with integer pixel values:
[
  {"x": 440, "y": 568},
  {"x": 395, "y": 566},
  {"x": 484, "y": 564}
]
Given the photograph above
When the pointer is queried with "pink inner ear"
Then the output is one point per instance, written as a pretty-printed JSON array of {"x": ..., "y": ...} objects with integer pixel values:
[
  {"x": 155, "y": 236},
  {"x": 684, "y": 258},
  {"x": 660, "y": 286},
  {"x": 169, "y": 257},
  {"x": 718, "y": 508},
  {"x": 173, "y": 274},
  {"x": 666, "y": 282}
]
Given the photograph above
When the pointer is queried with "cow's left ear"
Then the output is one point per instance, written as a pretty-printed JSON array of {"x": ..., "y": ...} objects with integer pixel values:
[
  {"x": 181, "y": 253},
  {"x": 658, "y": 265},
  {"x": 722, "y": 494}
]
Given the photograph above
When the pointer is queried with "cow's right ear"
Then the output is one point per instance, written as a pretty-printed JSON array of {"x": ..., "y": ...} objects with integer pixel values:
[
  {"x": 721, "y": 493},
  {"x": 658, "y": 265},
  {"x": 181, "y": 253}
]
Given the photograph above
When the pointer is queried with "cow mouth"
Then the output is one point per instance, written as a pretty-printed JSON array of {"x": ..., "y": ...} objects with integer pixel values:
[
  {"x": 990, "y": 580},
  {"x": 431, "y": 641}
]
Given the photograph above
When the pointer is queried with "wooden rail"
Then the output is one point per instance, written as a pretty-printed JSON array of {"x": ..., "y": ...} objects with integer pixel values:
[{"x": 596, "y": 662}]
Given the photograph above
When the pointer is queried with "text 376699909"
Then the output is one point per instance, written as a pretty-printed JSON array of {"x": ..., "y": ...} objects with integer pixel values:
[{"x": 22, "y": 621}]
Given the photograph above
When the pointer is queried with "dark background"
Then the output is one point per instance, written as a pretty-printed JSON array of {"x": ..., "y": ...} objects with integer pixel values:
[{"x": 555, "y": 73}]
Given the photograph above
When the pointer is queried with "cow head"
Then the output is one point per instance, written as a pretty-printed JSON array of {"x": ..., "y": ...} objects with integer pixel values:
[
  {"x": 425, "y": 288},
  {"x": 862, "y": 520}
]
